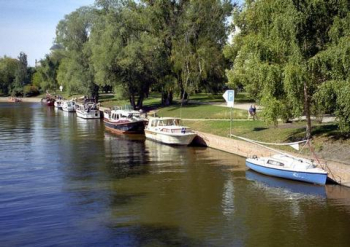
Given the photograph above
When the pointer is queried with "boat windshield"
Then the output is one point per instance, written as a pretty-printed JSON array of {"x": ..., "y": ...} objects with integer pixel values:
[{"x": 169, "y": 122}]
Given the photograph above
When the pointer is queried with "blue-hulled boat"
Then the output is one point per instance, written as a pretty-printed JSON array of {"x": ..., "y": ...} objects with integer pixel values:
[{"x": 289, "y": 167}]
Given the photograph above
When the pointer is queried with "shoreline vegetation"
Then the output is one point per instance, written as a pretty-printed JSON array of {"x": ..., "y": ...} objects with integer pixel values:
[{"x": 207, "y": 113}]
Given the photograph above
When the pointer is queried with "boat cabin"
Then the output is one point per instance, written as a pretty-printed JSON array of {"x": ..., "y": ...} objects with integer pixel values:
[
  {"x": 164, "y": 122},
  {"x": 121, "y": 114}
]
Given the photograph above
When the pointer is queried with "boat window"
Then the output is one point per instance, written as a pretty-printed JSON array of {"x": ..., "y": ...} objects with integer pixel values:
[{"x": 274, "y": 163}]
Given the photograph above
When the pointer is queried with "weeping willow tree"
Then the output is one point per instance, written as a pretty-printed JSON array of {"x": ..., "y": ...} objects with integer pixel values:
[
  {"x": 280, "y": 55},
  {"x": 75, "y": 72}
]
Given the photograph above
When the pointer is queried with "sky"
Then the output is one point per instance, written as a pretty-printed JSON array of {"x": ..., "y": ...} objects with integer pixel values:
[{"x": 29, "y": 26}]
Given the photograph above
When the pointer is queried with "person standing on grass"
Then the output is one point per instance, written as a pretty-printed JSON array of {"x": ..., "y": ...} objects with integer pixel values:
[{"x": 252, "y": 111}]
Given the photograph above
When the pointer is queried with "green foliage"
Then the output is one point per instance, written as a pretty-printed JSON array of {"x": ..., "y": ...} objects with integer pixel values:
[
  {"x": 124, "y": 54},
  {"x": 45, "y": 76},
  {"x": 197, "y": 49},
  {"x": 286, "y": 52},
  {"x": 37, "y": 79},
  {"x": 8, "y": 68},
  {"x": 21, "y": 75},
  {"x": 30, "y": 90},
  {"x": 75, "y": 72}
]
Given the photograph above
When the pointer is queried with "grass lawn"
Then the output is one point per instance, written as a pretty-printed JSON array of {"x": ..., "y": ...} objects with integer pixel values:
[
  {"x": 204, "y": 97},
  {"x": 201, "y": 111}
]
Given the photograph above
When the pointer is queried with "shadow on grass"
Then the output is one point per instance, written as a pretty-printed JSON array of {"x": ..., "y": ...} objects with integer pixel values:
[
  {"x": 259, "y": 128},
  {"x": 327, "y": 130},
  {"x": 331, "y": 131}
]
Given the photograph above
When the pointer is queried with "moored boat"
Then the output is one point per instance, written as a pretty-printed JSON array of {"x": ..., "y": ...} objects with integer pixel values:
[
  {"x": 288, "y": 167},
  {"x": 88, "y": 110},
  {"x": 68, "y": 106},
  {"x": 14, "y": 99},
  {"x": 58, "y": 104},
  {"x": 124, "y": 121},
  {"x": 48, "y": 101},
  {"x": 169, "y": 131}
]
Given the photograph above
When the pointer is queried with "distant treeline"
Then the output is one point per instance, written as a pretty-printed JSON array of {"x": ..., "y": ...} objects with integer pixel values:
[{"x": 16, "y": 78}]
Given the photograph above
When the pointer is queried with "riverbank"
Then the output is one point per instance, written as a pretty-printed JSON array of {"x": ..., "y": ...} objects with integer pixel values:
[
  {"x": 24, "y": 99},
  {"x": 337, "y": 171}
]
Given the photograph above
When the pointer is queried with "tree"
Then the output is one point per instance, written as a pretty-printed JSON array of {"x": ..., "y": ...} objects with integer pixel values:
[
  {"x": 197, "y": 52},
  {"x": 75, "y": 71},
  {"x": 21, "y": 76},
  {"x": 331, "y": 67},
  {"x": 274, "y": 54},
  {"x": 124, "y": 53},
  {"x": 8, "y": 68},
  {"x": 46, "y": 73}
]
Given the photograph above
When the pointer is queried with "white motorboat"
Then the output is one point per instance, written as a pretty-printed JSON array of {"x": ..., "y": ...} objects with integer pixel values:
[
  {"x": 169, "y": 131},
  {"x": 88, "y": 110},
  {"x": 289, "y": 167},
  {"x": 68, "y": 105}
]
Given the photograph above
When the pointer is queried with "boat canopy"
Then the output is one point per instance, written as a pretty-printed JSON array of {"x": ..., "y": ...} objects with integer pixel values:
[{"x": 164, "y": 122}]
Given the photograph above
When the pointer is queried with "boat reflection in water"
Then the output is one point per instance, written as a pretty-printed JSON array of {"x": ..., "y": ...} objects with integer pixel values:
[
  {"x": 285, "y": 187},
  {"x": 124, "y": 155}
]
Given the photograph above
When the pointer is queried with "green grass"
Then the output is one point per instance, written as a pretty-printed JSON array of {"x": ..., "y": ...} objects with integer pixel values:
[
  {"x": 201, "y": 111},
  {"x": 206, "y": 98},
  {"x": 257, "y": 130}
]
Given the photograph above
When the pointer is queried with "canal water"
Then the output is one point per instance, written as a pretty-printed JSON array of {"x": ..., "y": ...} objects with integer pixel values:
[{"x": 66, "y": 181}]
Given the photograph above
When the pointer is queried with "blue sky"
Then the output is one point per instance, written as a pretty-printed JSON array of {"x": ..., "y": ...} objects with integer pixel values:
[{"x": 30, "y": 25}]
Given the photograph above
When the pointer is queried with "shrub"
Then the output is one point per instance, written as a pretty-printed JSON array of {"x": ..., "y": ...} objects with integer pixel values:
[{"x": 30, "y": 90}]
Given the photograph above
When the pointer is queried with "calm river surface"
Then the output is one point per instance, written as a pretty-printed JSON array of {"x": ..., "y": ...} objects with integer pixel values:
[{"x": 65, "y": 181}]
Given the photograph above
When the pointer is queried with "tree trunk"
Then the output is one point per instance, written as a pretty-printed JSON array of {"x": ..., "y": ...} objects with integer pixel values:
[
  {"x": 167, "y": 98},
  {"x": 140, "y": 101},
  {"x": 307, "y": 111},
  {"x": 184, "y": 96},
  {"x": 94, "y": 92},
  {"x": 132, "y": 100}
]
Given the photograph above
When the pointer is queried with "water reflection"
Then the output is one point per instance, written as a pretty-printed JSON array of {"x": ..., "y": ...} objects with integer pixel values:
[
  {"x": 125, "y": 155},
  {"x": 285, "y": 188}
]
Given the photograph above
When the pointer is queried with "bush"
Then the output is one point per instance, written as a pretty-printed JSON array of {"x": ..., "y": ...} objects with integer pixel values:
[{"x": 30, "y": 90}]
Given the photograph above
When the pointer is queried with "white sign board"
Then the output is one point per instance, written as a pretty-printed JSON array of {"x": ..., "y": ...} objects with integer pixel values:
[{"x": 229, "y": 96}]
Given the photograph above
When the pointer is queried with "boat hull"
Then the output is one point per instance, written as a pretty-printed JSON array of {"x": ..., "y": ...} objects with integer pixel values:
[
  {"x": 171, "y": 139},
  {"x": 92, "y": 114},
  {"x": 309, "y": 177},
  {"x": 48, "y": 102},
  {"x": 137, "y": 127}
]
